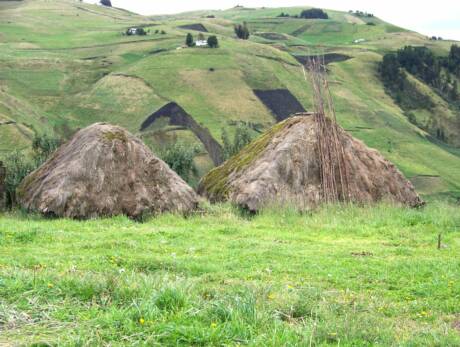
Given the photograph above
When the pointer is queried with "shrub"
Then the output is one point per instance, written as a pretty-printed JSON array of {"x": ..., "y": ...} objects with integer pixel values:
[
  {"x": 189, "y": 40},
  {"x": 242, "y": 31},
  {"x": 241, "y": 139},
  {"x": 17, "y": 166},
  {"x": 213, "y": 42},
  {"x": 179, "y": 157},
  {"x": 314, "y": 13}
]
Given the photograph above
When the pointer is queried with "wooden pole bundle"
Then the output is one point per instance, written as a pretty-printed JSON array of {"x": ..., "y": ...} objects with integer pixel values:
[{"x": 331, "y": 153}]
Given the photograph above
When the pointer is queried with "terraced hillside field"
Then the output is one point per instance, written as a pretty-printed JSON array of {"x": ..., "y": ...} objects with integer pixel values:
[{"x": 66, "y": 64}]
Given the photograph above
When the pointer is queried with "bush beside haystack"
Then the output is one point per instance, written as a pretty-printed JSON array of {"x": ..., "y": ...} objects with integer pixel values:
[{"x": 105, "y": 171}]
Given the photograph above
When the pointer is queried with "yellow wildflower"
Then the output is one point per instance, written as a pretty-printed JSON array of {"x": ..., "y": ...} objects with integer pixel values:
[{"x": 141, "y": 321}]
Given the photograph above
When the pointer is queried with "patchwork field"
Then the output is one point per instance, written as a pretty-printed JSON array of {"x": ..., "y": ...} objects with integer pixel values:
[
  {"x": 66, "y": 64},
  {"x": 348, "y": 276}
]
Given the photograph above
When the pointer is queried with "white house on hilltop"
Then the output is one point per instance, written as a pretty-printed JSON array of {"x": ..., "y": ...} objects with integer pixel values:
[{"x": 201, "y": 43}]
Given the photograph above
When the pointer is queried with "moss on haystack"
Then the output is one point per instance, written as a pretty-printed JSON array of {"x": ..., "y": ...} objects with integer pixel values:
[
  {"x": 216, "y": 181},
  {"x": 115, "y": 135}
]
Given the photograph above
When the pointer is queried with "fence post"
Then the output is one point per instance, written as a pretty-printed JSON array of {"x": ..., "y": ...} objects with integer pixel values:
[{"x": 2, "y": 187}]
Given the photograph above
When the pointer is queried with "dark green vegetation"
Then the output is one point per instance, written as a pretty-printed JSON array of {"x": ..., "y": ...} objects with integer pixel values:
[
  {"x": 107, "y": 3},
  {"x": 314, "y": 13},
  {"x": 179, "y": 157},
  {"x": 440, "y": 73},
  {"x": 344, "y": 275},
  {"x": 189, "y": 41},
  {"x": 242, "y": 31},
  {"x": 423, "y": 64},
  {"x": 67, "y": 64},
  {"x": 213, "y": 42},
  {"x": 19, "y": 164}
]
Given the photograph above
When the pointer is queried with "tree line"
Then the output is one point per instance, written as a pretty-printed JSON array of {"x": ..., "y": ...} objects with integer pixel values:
[
  {"x": 312, "y": 13},
  {"x": 212, "y": 41},
  {"x": 440, "y": 73}
]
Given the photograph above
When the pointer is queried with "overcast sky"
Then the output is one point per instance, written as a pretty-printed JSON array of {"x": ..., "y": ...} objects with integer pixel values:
[{"x": 440, "y": 17}]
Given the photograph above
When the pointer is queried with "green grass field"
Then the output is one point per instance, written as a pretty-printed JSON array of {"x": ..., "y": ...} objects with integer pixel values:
[{"x": 341, "y": 276}]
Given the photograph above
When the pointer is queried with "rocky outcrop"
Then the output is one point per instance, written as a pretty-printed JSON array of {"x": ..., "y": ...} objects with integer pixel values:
[
  {"x": 105, "y": 171},
  {"x": 282, "y": 167}
]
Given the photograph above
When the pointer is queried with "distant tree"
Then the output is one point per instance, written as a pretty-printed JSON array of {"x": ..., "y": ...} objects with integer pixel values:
[
  {"x": 157, "y": 31},
  {"x": 163, "y": 32},
  {"x": 213, "y": 42},
  {"x": 453, "y": 60},
  {"x": 189, "y": 40},
  {"x": 242, "y": 31},
  {"x": 390, "y": 70},
  {"x": 107, "y": 3},
  {"x": 283, "y": 15},
  {"x": 201, "y": 37},
  {"x": 314, "y": 13},
  {"x": 141, "y": 32},
  {"x": 454, "y": 91}
]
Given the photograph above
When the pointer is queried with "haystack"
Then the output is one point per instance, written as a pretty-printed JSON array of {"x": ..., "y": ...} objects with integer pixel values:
[
  {"x": 105, "y": 171},
  {"x": 283, "y": 167}
]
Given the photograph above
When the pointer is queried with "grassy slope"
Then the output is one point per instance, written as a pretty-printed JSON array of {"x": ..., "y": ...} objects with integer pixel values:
[
  {"x": 349, "y": 276},
  {"x": 78, "y": 69}
]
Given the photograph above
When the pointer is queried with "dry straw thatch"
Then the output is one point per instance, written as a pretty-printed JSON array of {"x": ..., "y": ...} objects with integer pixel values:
[{"x": 105, "y": 171}]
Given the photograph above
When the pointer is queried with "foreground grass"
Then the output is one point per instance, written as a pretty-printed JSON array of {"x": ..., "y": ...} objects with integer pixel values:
[{"x": 343, "y": 276}]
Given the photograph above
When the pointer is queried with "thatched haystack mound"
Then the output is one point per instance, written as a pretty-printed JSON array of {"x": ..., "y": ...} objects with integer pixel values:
[
  {"x": 282, "y": 167},
  {"x": 105, "y": 171}
]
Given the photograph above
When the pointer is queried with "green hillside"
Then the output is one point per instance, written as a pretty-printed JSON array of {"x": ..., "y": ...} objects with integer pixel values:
[{"x": 66, "y": 64}]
